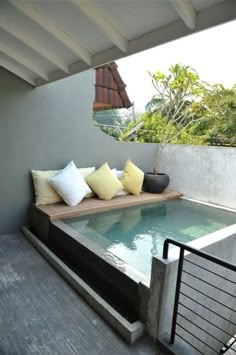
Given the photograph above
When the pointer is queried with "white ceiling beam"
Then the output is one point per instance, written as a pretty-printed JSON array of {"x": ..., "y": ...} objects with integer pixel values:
[
  {"x": 186, "y": 11},
  {"x": 23, "y": 61},
  {"x": 47, "y": 24},
  {"x": 31, "y": 42},
  {"x": 13, "y": 69},
  {"x": 103, "y": 23}
]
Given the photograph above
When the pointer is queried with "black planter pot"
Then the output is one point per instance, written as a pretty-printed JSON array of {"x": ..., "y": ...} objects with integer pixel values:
[{"x": 155, "y": 183}]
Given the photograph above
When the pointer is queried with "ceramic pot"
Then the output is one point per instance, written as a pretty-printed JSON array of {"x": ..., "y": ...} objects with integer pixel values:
[{"x": 155, "y": 183}]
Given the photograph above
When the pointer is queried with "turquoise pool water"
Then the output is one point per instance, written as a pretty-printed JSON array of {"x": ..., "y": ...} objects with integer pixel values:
[{"x": 135, "y": 234}]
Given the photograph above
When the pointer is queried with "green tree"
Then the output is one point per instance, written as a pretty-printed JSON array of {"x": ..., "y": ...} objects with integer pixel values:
[
  {"x": 217, "y": 110},
  {"x": 171, "y": 117},
  {"x": 186, "y": 110}
]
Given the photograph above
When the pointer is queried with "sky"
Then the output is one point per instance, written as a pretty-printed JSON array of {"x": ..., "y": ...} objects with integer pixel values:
[{"x": 212, "y": 53}]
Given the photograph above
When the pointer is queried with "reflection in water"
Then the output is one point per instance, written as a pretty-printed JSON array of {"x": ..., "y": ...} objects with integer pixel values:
[
  {"x": 103, "y": 223},
  {"x": 135, "y": 234}
]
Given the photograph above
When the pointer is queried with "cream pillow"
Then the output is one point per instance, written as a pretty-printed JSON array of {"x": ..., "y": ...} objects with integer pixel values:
[
  {"x": 44, "y": 192},
  {"x": 132, "y": 178},
  {"x": 70, "y": 185},
  {"x": 104, "y": 183},
  {"x": 85, "y": 172}
]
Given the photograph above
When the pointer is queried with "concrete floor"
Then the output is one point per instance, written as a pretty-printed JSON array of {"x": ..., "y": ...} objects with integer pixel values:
[{"x": 41, "y": 314}]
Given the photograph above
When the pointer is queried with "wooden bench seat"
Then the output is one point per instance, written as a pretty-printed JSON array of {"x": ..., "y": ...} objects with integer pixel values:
[
  {"x": 43, "y": 214},
  {"x": 94, "y": 204}
]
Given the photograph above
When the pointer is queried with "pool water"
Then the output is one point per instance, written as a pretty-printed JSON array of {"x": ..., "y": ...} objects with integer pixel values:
[{"x": 135, "y": 234}]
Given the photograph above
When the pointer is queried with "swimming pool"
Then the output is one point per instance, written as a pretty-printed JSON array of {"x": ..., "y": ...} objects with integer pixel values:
[{"x": 135, "y": 234}]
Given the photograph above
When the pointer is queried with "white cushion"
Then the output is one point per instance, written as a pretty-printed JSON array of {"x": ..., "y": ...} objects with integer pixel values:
[
  {"x": 123, "y": 192},
  {"x": 118, "y": 174},
  {"x": 70, "y": 185}
]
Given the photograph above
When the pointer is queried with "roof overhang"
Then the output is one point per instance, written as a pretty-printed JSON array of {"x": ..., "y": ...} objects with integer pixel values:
[
  {"x": 110, "y": 90},
  {"x": 43, "y": 41}
]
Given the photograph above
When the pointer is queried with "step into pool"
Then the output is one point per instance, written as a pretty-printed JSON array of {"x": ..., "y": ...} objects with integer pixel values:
[{"x": 135, "y": 234}]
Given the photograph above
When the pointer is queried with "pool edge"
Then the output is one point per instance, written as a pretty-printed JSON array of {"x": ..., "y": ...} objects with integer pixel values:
[{"x": 129, "y": 331}]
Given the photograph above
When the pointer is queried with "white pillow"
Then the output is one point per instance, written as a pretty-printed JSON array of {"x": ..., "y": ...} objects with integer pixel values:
[
  {"x": 70, "y": 185},
  {"x": 118, "y": 174},
  {"x": 123, "y": 192}
]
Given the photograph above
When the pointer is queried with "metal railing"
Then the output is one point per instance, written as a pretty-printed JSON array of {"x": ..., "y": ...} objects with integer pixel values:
[{"x": 204, "y": 314}]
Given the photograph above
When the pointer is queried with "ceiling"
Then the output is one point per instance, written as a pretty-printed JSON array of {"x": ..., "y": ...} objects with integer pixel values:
[{"x": 45, "y": 40}]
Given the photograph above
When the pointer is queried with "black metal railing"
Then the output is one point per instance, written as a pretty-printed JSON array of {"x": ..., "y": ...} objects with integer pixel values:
[{"x": 204, "y": 314}]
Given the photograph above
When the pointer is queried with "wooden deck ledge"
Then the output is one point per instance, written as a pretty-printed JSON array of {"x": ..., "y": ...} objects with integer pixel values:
[{"x": 93, "y": 204}]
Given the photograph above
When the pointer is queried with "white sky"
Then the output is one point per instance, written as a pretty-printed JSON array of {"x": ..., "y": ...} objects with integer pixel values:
[{"x": 212, "y": 53}]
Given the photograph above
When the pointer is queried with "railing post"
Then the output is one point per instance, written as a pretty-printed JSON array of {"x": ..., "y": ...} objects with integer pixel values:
[
  {"x": 177, "y": 292},
  {"x": 165, "y": 249},
  {"x": 176, "y": 312}
]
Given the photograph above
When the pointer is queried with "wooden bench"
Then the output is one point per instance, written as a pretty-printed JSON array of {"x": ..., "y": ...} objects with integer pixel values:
[{"x": 42, "y": 214}]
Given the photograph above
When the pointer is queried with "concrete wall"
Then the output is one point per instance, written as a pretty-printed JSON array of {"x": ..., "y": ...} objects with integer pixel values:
[
  {"x": 203, "y": 173},
  {"x": 163, "y": 281},
  {"x": 45, "y": 128}
]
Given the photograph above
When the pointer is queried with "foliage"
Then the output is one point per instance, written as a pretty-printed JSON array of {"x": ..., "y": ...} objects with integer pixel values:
[
  {"x": 217, "y": 110},
  {"x": 111, "y": 121},
  {"x": 153, "y": 104},
  {"x": 185, "y": 110},
  {"x": 110, "y": 131},
  {"x": 107, "y": 117},
  {"x": 175, "y": 91},
  {"x": 171, "y": 116},
  {"x": 156, "y": 130}
]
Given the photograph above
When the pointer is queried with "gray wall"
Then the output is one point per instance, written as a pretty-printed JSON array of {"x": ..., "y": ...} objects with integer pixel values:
[
  {"x": 45, "y": 128},
  {"x": 203, "y": 173}
]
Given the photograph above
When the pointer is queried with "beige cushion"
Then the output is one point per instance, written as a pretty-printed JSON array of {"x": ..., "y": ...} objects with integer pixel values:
[
  {"x": 85, "y": 172},
  {"x": 104, "y": 183},
  {"x": 132, "y": 178},
  {"x": 44, "y": 192}
]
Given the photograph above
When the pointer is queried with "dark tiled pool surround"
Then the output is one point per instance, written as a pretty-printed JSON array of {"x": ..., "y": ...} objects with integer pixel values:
[{"x": 110, "y": 277}]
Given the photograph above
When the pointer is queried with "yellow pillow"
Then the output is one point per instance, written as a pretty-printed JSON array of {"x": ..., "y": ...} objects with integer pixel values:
[
  {"x": 104, "y": 183},
  {"x": 44, "y": 192},
  {"x": 132, "y": 178}
]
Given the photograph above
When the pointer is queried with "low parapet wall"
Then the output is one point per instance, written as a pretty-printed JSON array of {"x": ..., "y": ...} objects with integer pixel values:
[{"x": 202, "y": 173}]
